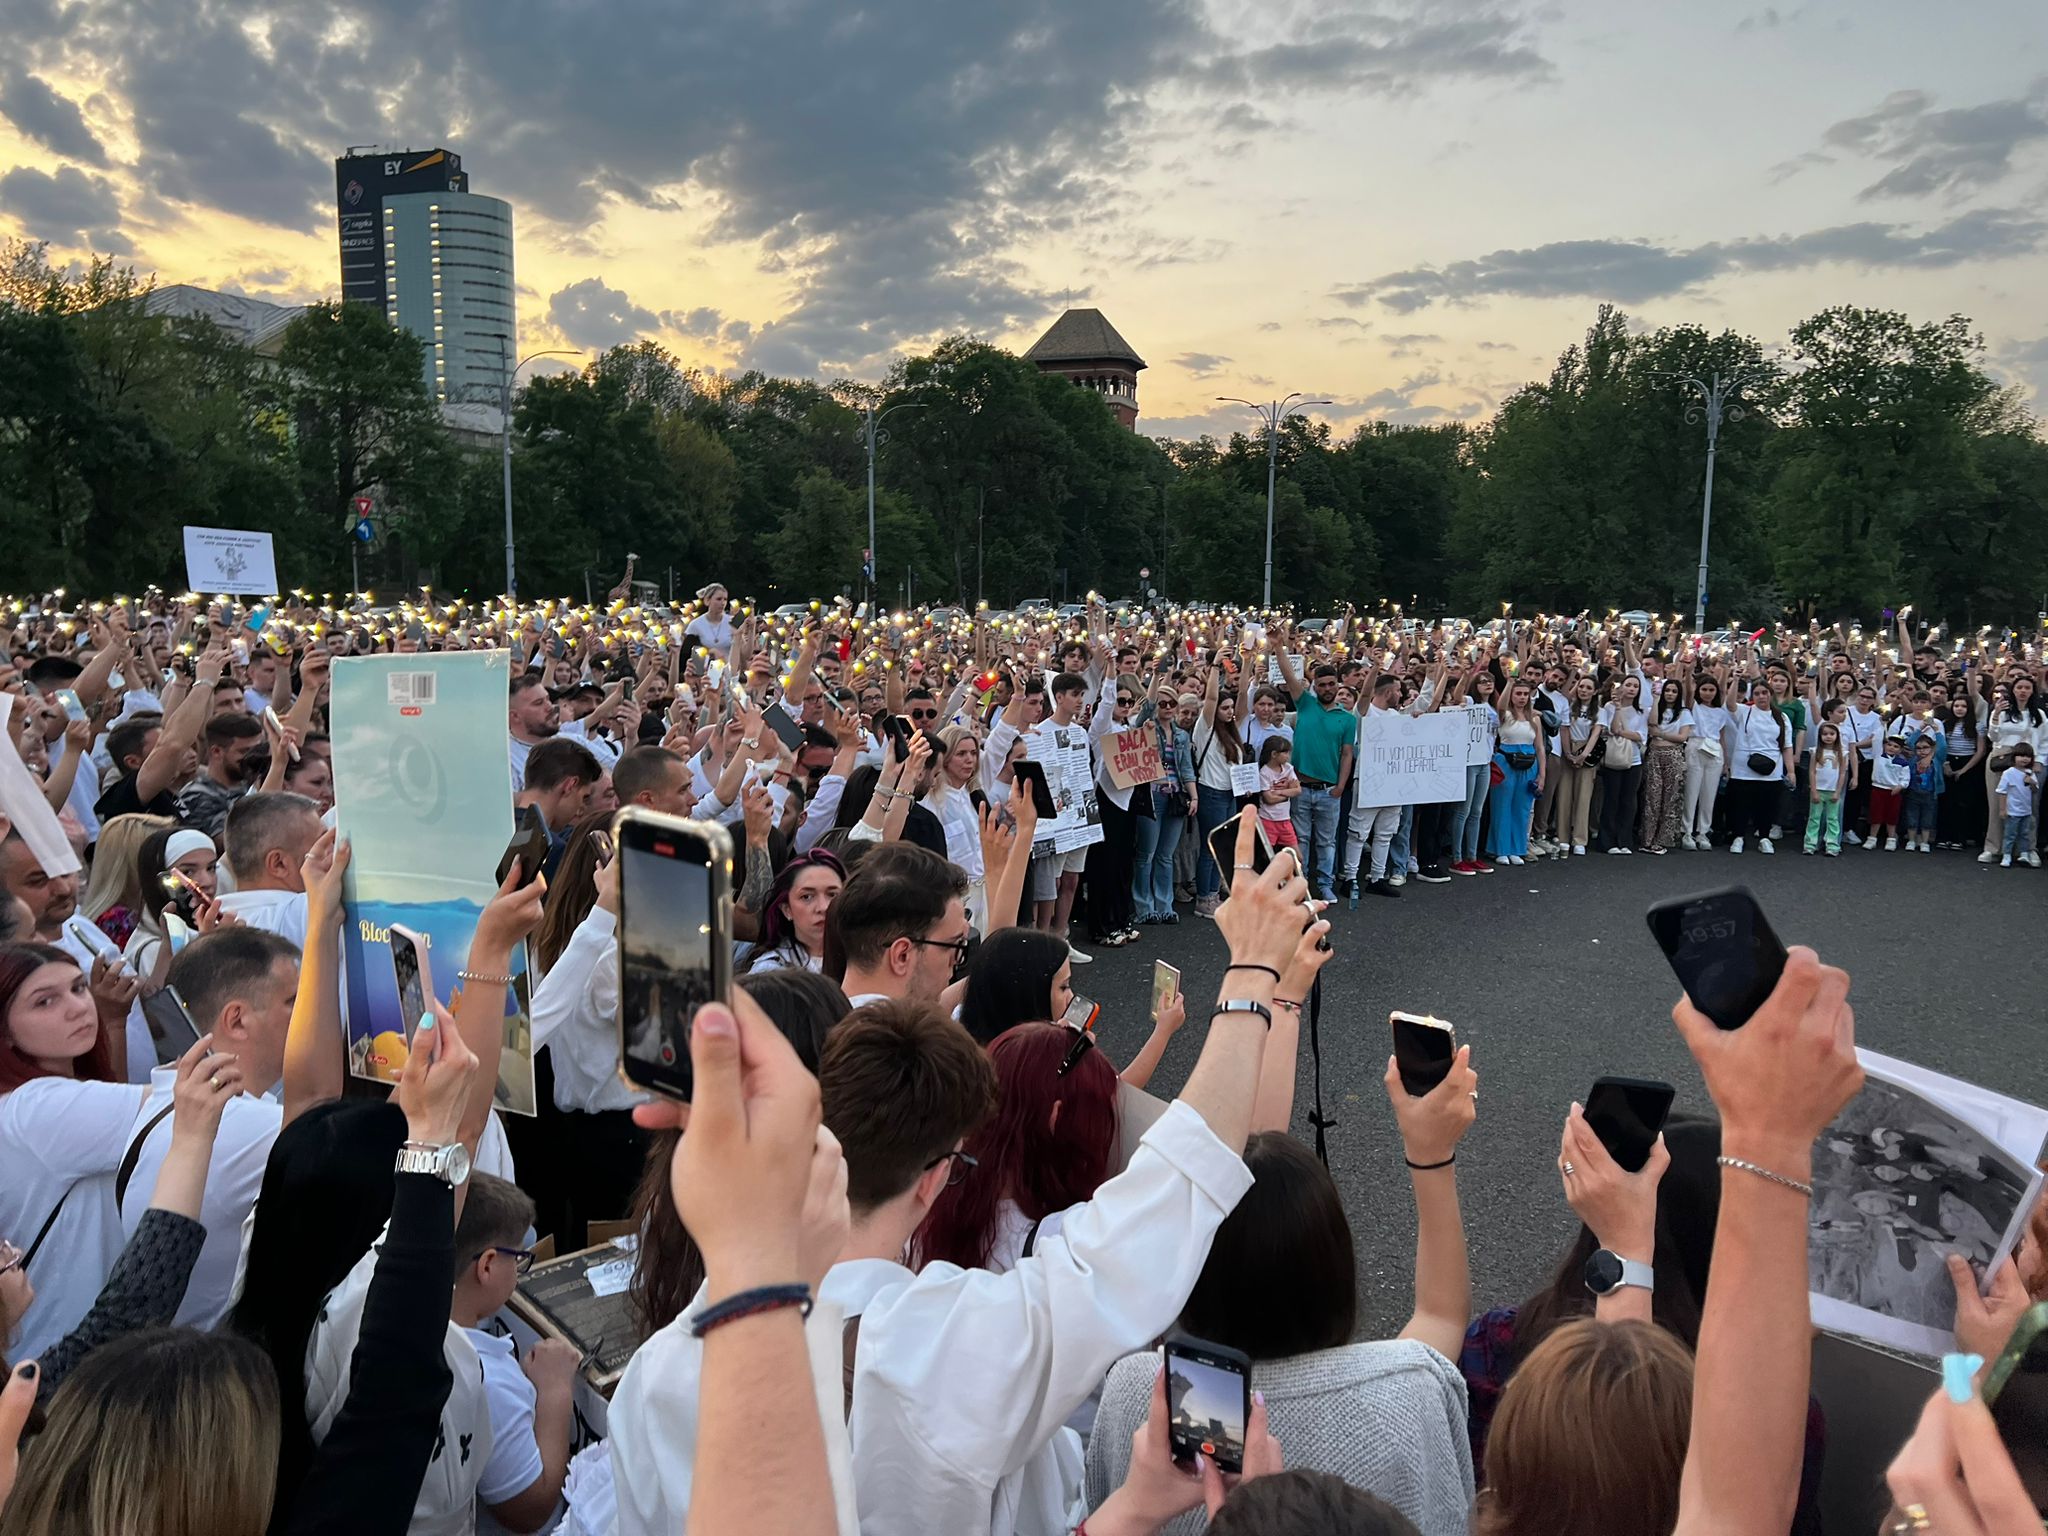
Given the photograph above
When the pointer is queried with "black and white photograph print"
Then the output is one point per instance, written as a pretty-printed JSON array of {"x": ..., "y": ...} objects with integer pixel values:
[{"x": 1898, "y": 1185}]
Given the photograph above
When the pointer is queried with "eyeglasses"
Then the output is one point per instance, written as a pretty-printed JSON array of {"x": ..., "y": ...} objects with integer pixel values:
[
  {"x": 924, "y": 714},
  {"x": 963, "y": 1164},
  {"x": 522, "y": 1258},
  {"x": 1079, "y": 1046}
]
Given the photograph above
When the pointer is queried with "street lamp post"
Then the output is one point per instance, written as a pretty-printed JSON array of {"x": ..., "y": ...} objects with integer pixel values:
[
  {"x": 505, "y": 432},
  {"x": 1273, "y": 414},
  {"x": 1714, "y": 399},
  {"x": 871, "y": 431}
]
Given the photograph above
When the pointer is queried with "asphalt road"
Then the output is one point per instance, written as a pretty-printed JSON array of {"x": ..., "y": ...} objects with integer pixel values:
[{"x": 1549, "y": 972}]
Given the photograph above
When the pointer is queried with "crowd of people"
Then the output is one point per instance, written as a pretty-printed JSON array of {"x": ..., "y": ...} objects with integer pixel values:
[{"x": 903, "y": 1261}]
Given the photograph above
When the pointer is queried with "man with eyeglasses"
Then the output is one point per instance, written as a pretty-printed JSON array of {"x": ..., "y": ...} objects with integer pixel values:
[
  {"x": 899, "y": 928},
  {"x": 532, "y": 1401},
  {"x": 1862, "y": 731}
]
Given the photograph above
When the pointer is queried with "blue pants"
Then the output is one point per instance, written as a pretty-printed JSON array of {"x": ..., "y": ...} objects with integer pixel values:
[
  {"x": 1465, "y": 818},
  {"x": 1152, "y": 861},
  {"x": 1213, "y": 807},
  {"x": 1510, "y": 803},
  {"x": 1315, "y": 826},
  {"x": 1399, "y": 851},
  {"x": 2015, "y": 842}
]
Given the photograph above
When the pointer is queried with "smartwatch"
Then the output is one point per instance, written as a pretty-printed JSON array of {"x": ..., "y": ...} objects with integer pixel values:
[
  {"x": 1607, "y": 1272},
  {"x": 449, "y": 1164}
]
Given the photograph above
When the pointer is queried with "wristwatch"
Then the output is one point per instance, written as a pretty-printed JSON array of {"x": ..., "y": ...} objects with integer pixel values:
[
  {"x": 450, "y": 1164},
  {"x": 1607, "y": 1272}
]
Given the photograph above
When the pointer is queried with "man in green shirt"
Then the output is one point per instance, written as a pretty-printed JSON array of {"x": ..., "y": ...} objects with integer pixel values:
[{"x": 1325, "y": 739}]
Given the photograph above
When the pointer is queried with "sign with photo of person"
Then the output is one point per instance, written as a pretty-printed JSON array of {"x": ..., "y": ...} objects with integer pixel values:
[
  {"x": 423, "y": 793},
  {"x": 1070, "y": 775}
]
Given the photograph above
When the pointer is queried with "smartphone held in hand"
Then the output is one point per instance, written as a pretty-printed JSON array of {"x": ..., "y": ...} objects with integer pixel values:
[
  {"x": 1223, "y": 847},
  {"x": 1208, "y": 1401},
  {"x": 1165, "y": 987},
  {"x": 528, "y": 848},
  {"x": 675, "y": 941},
  {"x": 1722, "y": 947},
  {"x": 1026, "y": 772},
  {"x": 1424, "y": 1049},
  {"x": 414, "y": 974},
  {"x": 1627, "y": 1114}
]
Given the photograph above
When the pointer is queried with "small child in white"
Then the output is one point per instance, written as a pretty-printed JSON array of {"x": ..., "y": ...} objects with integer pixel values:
[
  {"x": 531, "y": 1404},
  {"x": 2016, "y": 790}
]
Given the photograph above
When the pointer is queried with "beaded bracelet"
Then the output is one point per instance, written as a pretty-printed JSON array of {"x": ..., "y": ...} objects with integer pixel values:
[{"x": 762, "y": 1298}]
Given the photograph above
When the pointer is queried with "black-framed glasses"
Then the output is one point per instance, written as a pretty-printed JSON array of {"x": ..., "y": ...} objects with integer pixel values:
[
  {"x": 963, "y": 1164},
  {"x": 1082, "y": 1043},
  {"x": 522, "y": 1258},
  {"x": 964, "y": 950}
]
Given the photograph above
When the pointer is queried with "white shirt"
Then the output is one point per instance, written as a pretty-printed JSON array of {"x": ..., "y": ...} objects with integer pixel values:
[
  {"x": 963, "y": 1379},
  {"x": 957, "y": 814},
  {"x": 713, "y": 634},
  {"x": 234, "y": 1177},
  {"x": 1101, "y": 724},
  {"x": 1757, "y": 731},
  {"x": 2016, "y": 789},
  {"x": 514, "y": 1464},
  {"x": 575, "y": 1015},
  {"x": 1710, "y": 724},
  {"x": 280, "y": 912},
  {"x": 57, "y": 1133},
  {"x": 1862, "y": 729}
]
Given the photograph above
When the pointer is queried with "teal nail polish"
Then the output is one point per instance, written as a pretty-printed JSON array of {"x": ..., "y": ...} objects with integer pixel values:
[
  {"x": 1958, "y": 1373},
  {"x": 426, "y": 1021}
]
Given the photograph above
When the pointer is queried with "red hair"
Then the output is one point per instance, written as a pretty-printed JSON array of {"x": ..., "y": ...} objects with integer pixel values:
[
  {"x": 1021, "y": 1155},
  {"x": 18, "y": 962}
]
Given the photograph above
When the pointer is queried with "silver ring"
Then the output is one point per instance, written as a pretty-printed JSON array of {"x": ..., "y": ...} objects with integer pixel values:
[
  {"x": 1475, "y": 1095},
  {"x": 1569, "y": 1170}
]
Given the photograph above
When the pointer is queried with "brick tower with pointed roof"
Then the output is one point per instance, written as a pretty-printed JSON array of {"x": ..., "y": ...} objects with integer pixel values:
[{"x": 1083, "y": 346}]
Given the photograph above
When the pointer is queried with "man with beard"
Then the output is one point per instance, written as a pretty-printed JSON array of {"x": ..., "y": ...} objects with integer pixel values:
[
  {"x": 225, "y": 774},
  {"x": 533, "y": 717}
]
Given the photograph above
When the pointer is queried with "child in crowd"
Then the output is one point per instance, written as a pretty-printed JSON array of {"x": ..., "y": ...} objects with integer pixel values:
[
  {"x": 1923, "y": 796},
  {"x": 1891, "y": 775},
  {"x": 1278, "y": 786},
  {"x": 2016, "y": 794},
  {"x": 531, "y": 1404},
  {"x": 1828, "y": 781}
]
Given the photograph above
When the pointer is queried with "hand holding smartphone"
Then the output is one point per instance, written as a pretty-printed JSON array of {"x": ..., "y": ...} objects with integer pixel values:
[
  {"x": 1627, "y": 1114},
  {"x": 1424, "y": 1049},
  {"x": 675, "y": 941},
  {"x": 1208, "y": 1401},
  {"x": 1223, "y": 848},
  {"x": 1032, "y": 775},
  {"x": 528, "y": 847},
  {"x": 1723, "y": 949}
]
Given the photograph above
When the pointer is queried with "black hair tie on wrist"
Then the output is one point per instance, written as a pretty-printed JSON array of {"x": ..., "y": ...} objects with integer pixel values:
[
  {"x": 1427, "y": 1167},
  {"x": 1247, "y": 967}
]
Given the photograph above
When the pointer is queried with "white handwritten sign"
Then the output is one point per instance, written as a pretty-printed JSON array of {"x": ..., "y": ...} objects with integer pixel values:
[
  {"x": 1407, "y": 761},
  {"x": 234, "y": 560},
  {"x": 1479, "y": 725}
]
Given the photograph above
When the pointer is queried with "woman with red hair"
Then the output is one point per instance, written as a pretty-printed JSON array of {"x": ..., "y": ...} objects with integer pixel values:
[{"x": 1049, "y": 1146}]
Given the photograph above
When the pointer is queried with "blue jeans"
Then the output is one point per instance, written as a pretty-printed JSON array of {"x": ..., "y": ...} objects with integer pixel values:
[
  {"x": 1512, "y": 797},
  {"x": 1399, "y": 856},
  {"x": 1315, "y": 825},
  {"x": 1152, "y": 860},
  {"x": 1213, "y": 807},
  {"x": 1465, "y": 819},
  {"x": 2016, "y": 835}
]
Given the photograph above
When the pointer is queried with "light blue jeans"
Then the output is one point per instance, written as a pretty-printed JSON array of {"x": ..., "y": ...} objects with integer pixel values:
[
  {"x": 1315, "y": 825},
  {"x": 1466, "y": 818},
  {"x": 1512, "y": 798},
  {"x": 1152, "y": 861},
  {"x": 1213, "y": 807},
  {"x": 1398, "y": 855}
]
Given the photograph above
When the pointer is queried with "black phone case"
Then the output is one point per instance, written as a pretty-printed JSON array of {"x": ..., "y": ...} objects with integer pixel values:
[
  {"x": 1728, "y": 978},
  {"x": 1627, "y": 1113},
  {"x": 1420, "y": 1069}
]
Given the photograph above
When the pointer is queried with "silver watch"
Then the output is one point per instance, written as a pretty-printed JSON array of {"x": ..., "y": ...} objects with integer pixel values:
[
  {"x": 1607, "y": 1272},
  {"x": 450, "y": 1164}
]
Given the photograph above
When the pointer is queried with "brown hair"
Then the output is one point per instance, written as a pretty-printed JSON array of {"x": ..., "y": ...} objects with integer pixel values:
[
  {"x": 1590, "y": 1435},
  {"x": 900, "y": 891},
  {"x": 1303, "y": 1502},
  {"x": 902, "y": 1084},
  {"x": 166, "y": 1430}
]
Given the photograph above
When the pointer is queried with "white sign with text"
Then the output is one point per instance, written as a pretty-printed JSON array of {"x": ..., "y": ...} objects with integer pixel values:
[
  {"x": 1479, "y": 726},
  {"x": 236, "y": 560},
  {"x": 1403, "y": 760}
]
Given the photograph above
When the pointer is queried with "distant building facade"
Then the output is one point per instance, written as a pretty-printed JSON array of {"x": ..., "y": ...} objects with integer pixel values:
[{"x": 1083, "y": 346}]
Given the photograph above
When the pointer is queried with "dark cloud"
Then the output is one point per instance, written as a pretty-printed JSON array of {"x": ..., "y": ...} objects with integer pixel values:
[
  {"x": 1631, "y": 271},
  {"x": 887, "y": 157},
  {"x": 1269, "y": 325},
  {"x": 53, "y": 121},
  {"x": 1954, "y": 152},
  {"x": 1496, "y": 346},
  {"x": 1410, "y": 343},
  {"x": 594, "y": 316},
  {"x": 72, "y": 207},
  {"x": 1200, "y": 364}
]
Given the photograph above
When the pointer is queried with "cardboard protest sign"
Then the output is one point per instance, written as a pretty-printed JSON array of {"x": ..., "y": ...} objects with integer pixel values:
[
  {"x": 23, "y": 802},
  {"x": 1409, "y": 760},
  {"x": 423, "y": 793},
  {"x": 1134, "y": 757},
  {"x": 234, "y": 560}
]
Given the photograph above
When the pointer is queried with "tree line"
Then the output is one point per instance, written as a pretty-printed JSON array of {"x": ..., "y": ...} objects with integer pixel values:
[{"x": 1874, "y": 462}]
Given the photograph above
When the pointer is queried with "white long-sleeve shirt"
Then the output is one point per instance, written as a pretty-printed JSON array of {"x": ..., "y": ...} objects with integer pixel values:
[
  {"x": 576, "y": 1016},
  {"x": 1104, "y": 724},
  {"x": 963, "y": 1379}
]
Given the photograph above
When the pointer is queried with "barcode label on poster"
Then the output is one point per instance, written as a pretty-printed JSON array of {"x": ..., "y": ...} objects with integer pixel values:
[{"x": 409, "y": 688}]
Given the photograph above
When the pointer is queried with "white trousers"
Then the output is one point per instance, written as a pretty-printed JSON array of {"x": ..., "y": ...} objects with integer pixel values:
[{"x": 1374, "y": 824}]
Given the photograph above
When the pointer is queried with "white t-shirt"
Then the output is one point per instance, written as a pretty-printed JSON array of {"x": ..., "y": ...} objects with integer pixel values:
[
  {"x": 2017, "y": 790},
  {"x": 1620, "y": 753},
  {"x": 280, "y": 912},
  {"x": 1827, "y": 773},
  {"x": 514, "y": 1464},
  {"x": 58, "y": 1135},
  {"x": 1758, "y": 731},
  {"x": 1682, "y": 721},
  {"x": 713, "y": 634},
  {"x": 234, "y": 1178},
  {"x": 1863, "y": 730},
  {"x": 1710, "y": 724}
]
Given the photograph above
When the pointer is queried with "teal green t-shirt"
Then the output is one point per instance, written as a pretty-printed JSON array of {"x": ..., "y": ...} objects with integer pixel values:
[{"x": 1320, "y": 736}]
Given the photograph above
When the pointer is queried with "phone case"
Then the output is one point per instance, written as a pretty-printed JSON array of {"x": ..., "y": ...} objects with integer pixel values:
[{"x": 719, "y": 843}]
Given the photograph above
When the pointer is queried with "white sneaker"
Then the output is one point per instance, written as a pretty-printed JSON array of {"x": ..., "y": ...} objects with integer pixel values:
[
  {"x": 1927, "y": 847},
  {"x": 1776, "y": 831},
  {"x": 1687, "y": 843},
  {"x": 2006, "y": 862},
  {"x": 1079, "y": 957},
  {"x": 1397, "y": 879},
  {"x": 1852, "y": 839},
  {"x": 2031, "y": 860},
  {"x": 1763, "y": 845},
  {"x": 1578, "y": 850},
  {"x": 1736, "y": 846},
  {"x": 1891, "y": 844},
  {"x": 1617, "y": 850},
  {"x": 1986, "y": 858}
]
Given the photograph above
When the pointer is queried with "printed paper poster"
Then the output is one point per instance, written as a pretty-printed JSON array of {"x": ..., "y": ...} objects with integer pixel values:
[
  {"x": 423, "y": 793},
  {"x": 237, "y": 560},
  {"x": 1070, "y": 776}
]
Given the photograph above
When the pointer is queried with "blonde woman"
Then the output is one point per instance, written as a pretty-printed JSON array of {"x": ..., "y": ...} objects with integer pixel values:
[
  {"x": 1579, "y": 738},
  {"x": 951, "y": 799},
  {"x": 113, "y": 897}
]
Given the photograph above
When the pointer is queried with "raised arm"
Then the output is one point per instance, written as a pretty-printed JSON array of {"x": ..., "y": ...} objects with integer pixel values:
[
  {"x": 1431, "y": 1128},
  {"x": 507, "y": 919},
  {"x": 159, "y": 770},
  {"x": 315, "y": 1052}
]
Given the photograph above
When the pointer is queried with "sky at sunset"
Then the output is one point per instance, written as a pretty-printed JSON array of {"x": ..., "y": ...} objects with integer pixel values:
[{"x": 1408, "y": 208}]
